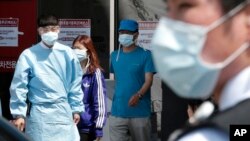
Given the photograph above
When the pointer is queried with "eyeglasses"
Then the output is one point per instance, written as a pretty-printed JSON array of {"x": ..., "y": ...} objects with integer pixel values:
[{"x": 50, "y": 28}]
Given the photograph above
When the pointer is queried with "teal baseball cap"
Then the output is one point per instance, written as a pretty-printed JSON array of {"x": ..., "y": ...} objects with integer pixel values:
[{"x": 130, "y": 25}]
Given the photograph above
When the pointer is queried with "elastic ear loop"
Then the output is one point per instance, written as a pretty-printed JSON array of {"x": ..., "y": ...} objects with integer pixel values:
[
  {"x": 237, "y": 53},
  {"x": 118, "y": 54},
  {"x": 228, "y": 15},
  {"x": 85, "y": 69},
  {"x": 88, "y": 63},
  {"x": 232, "y": 57}
]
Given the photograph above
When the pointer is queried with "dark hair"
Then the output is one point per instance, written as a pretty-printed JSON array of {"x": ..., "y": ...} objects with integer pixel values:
[
  {"x": 46, "y": 20},
  {"x": 136, "y": 31},
  {"x": 228, "y": 5},
  {"x": 88, "y": 43}
]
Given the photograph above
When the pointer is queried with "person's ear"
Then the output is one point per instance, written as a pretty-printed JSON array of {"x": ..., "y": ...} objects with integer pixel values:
[
  {"x": 39, "y": 30},
  {"x": 59, "y": 29},
  {"x": 136, "y": 35}
]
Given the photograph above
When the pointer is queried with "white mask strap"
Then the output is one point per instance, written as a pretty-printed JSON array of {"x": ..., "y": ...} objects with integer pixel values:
[
  {"x": 119, "y": 49},
  {"x": 88, "y": 63},
  {"x": 232, "y": 57},
  {"x": 228, "y": 15}
]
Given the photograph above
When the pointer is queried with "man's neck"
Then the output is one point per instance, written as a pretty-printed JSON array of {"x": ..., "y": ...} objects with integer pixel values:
[
  {"x": 49, "y": 46},
  {"x": 129, "y": 49}
]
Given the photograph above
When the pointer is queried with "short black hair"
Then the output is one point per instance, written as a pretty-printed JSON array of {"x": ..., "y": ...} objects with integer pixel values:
[
  {"x": 228, "y": 5},
  {"x": 47, "y": 20}
]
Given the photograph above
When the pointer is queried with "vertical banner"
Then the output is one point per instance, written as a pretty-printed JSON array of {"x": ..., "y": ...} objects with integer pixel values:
[
  {"x": 9, "y": 32},
  {"x": 71, "y": 28},
  {"x": 146, "y": 31}
]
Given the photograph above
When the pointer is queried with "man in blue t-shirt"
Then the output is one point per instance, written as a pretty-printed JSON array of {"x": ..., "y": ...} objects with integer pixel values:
[{"x": 133, "y": 69}]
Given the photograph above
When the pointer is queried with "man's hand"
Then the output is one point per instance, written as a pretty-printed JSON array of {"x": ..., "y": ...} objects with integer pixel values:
[
  {"x": 76, "y": 117},
  {"x": 134, "y": 100},
  {"x": 19, "y": 123}
]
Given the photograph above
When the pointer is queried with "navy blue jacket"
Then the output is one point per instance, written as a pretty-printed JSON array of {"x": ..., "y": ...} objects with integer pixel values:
[{"x": 95, "y": 101}]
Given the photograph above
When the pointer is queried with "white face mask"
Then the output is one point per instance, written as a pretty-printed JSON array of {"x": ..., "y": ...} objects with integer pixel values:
[
  {"x": 81, "y": 54},
  {"x": 176, "y": 51},
  {"x": 126, "y": 40},
  {"x": 49, "y": 38}
]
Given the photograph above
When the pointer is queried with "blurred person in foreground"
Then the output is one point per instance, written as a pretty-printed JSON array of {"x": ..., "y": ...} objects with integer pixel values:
[
  {"x": 94, "y": 88},
  {"x": 201, "y": 49},
  {"x": 46, "y": 95}
]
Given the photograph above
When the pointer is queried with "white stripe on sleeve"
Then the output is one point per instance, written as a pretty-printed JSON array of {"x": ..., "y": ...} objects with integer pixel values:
[{"x": 101, "y": 100}]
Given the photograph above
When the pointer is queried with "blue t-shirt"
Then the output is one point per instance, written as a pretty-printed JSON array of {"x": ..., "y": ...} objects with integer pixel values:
[{"x": 129, "y": 71}]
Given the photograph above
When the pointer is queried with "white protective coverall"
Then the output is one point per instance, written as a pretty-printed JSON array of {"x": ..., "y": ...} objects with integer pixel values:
[{"x": 50, "y": 79}]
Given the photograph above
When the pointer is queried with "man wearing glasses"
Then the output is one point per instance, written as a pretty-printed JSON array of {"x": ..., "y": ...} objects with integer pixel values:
[{"x": 45, "y": 90}]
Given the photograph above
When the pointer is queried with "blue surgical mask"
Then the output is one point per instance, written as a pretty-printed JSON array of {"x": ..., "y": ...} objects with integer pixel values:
[
  {"x": 126, "y": 40},
  {"x": 81, "y": 54},
  {"x": 176, "y": 50},
  {"x": 49, "y": 38}
]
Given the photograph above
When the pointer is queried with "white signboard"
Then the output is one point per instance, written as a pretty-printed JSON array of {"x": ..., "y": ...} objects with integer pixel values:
[
  {"x": 71, "y": 28},
  {"x": 146, "y": 31},
  {"x": 9, "y": 32}
]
